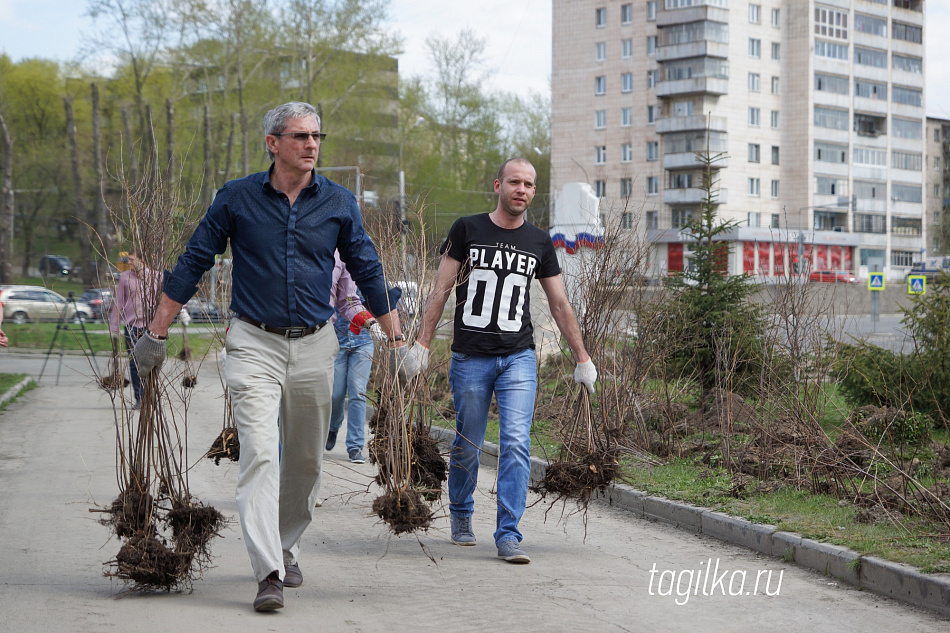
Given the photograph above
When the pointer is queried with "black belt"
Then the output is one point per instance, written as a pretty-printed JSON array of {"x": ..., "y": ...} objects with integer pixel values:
[{"x": 286, "y": 332}]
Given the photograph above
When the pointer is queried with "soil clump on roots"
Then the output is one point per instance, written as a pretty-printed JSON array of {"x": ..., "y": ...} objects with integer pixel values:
[
  {"x": 194, "y": 526},
  {"x": 403, "y": 510},
  {"x": 147, "y": 562},
  {"x": 130, "y": 513},
  {"x": 579, "y": 479},
  {"x": 428, "y": 468},
  {"x": 226, "y": 445}
]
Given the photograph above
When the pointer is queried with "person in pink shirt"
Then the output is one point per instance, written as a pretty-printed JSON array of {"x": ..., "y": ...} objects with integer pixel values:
[
  {"x": 3, "y": 337},
  {"x": 137, "y": 288}
]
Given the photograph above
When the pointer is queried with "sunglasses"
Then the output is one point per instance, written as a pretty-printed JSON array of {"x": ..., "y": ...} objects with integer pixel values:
[{"x": 303, "y": 136}]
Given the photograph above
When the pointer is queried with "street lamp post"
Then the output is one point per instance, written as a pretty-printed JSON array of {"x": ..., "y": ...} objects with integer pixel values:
[{"x": 402, "y": 194}]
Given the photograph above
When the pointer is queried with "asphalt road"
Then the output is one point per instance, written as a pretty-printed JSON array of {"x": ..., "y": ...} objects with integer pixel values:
[{"x": 613, "y": 573}]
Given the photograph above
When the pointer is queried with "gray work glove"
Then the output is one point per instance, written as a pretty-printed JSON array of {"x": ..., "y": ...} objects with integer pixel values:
[
  {"x": 586, "y": 374},
  {"x": 148, "y": 353},
  {"x": 408, "y": 361}
]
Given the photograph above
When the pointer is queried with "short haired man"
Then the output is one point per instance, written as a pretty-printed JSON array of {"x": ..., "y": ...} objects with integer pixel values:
[
  {"x": 490, "y": 260},
  {"x": 283, "y": 226}
]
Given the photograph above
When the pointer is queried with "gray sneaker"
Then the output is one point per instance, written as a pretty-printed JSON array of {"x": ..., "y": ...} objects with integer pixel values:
[
  {"x": 293, "y": 577},
  {"x": 511, "y": 551},
  {"x": 462, "y": 533},
  {"x": 356, "y": 457}
]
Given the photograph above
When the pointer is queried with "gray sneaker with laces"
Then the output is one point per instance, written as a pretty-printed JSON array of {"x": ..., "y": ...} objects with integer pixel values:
[
  {"x": 462, "y": 533},
  {"x": 511, "y": 551}
]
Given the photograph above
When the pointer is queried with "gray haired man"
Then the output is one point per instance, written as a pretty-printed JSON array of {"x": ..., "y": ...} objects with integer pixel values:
[{"x": 283, "y": 226}]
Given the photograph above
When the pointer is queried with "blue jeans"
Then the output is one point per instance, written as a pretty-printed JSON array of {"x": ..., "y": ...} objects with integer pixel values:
[
  {"x": 514, "y": 381},
  {"x": 132, "y": 336},
  {"x": 351, "y": 375}
]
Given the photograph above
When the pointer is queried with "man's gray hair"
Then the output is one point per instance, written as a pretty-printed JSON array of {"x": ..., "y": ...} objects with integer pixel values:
[{"x": 275, "y": 121}]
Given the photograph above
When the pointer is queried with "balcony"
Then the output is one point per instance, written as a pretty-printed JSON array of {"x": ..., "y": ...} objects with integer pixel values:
[
  {"x": 670, "y": 17},
  {"x": 688, "y": 123},
  {"x": 692, "y": 195},
  {"x": 693, "y": 85},
  {"x": 689, "y": 160},
  {"x": 702, "y": 48}
]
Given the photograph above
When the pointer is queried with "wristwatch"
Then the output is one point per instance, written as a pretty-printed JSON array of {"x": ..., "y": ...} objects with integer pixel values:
[{"x": 398, "y": 337}]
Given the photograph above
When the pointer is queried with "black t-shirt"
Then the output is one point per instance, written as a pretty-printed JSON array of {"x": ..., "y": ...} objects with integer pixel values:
[{"x": 492, "y": 313}]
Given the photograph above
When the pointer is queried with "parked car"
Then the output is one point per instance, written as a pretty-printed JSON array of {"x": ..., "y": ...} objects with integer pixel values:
[
  {"x": 100, "y": 300},
  {"x": 26, "y": 304},
  {"x": 833, "y": 276},
  {"x": 205, "y": 311},
  {"x": 55, "y": 265}
]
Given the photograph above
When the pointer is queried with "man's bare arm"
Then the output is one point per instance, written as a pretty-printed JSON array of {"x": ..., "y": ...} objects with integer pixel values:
[
  {"x": 444, "y": 283},
  {"x": 165, "y": 313},
  {"x": 564, "y": 316}
]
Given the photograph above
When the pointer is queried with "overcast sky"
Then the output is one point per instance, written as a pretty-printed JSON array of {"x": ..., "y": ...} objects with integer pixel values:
[{"x": 518, "y": 34}]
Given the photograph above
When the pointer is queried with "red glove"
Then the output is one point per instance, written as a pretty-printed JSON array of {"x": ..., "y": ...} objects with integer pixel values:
[{"x": 364, "y": 318}]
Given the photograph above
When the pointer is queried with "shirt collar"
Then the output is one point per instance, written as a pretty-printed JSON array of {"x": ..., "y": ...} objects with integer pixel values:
[{"x": 266, "y": 183}]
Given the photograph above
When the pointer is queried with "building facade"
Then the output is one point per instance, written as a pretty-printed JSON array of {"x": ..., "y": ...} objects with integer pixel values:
[
  {"x": 937, "y": 186},
  {"x": 816, "y": 109}
]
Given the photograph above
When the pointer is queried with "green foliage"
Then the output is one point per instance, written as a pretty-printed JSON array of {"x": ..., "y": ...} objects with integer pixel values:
[
  {"x": 722, "y": 329},
  {"x": 928, "y": 321},
  {"x": 868, "y": 374}
]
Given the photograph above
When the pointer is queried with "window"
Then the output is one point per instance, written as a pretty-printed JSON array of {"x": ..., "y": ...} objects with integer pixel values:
[
  {"x": 870, "y": 89},
  {"x": 870, "y": 57},
  {"x": 626, "y": 152},
  {"x": 828, "y": 186},
  {"x": 600, "y": 119},
  {"x": 752, "y": 218},
  {"x": 906, "y": 193},
  {"x": 653, "y": 220},
  {"x": 774, "y": 85},
  {"x": 937, "y": 164},
  {"x": 754, "y": 152},
  {"x": 870, "y": 24},
  {"x": 755, "y": 13},
  {"x": 902, "y": 258},
  {"x": 774, "y": 119},
  {"x": 754, "y": 116},
  {"x": 869, "y": 156},
  {"x": 626, "y": 219},
  {"x": 754, "y": 82},
  {"x": 906, "y": 32},
  {"x": 626, "y": 14},
  {"x": 600, "y": 51},
  {"x": 626, "y": 48},
  {"x": 652, "y": 185},
  {"x": 831, "y": 50},
  {"x": 696, "y": 67},
  {"x": 912, "y": 161},
  {"x": 755, "y": 47},
  {"x": 600, "y": 17},
  {"x": 905, "y": 226},
  {"x": 682, "y": 217},
  {"x": 775, "y": 221},
  {"x": 831, "y": 23},
  {"x": 776, "y": 15},
  {"x": 626, "y": 82},
  {"x": 936, "y": 135},
  {"x": 682, "y": 108},
  {"x": 695, "y": 32},
  {"x": 600, "y": 188},
  {"x": 600, "y": 154},
  {"x": 870, "y": 124},
  {"x": 831, "y": 153},
  {"x": 907, "y": 64},
  {"x": 600, "y": 85},
  {"x": 680, "y": 180},
  {"x": 775, "y": 155},
  {"x": 776, "y": 51},
  {"x": 775, "y": 189},
  {"x": 651, "y": 11},
  {"x": 831, "y": 118},
  {"x": 906, "y": 128},
  {"x": 626, "y": 117},
  {"x": 867, "y": 190},
  {"x": 753, "y": 186},
  {"x": 653, "y": 150},
  {"x": 907, "y": 96},
  {"x": 651, "y": 45},
  {"x": 626, "y": 187},
  {"x": 652, "y": 77},
  {"x": 868, "y": 223},
  {"x": 651, "y": 114},
  {"x": 831, "y": 83}
]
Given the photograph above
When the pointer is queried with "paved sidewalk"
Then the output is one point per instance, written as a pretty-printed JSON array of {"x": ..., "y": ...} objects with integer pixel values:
[{"x": 57, "y": 456}]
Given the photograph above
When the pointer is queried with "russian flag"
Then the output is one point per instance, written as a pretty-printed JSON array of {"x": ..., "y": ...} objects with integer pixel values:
[{"x": 581, "y": 240}]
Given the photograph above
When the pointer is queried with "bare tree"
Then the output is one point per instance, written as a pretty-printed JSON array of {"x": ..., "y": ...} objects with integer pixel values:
[
  {"x": 102, "y": 224},
  {"x": 6, "y": 202},
  {"x": 79, "y": 205}
]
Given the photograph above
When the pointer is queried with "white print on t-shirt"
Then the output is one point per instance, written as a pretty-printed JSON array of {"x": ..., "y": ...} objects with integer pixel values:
[{"x": 491, "y": 265}]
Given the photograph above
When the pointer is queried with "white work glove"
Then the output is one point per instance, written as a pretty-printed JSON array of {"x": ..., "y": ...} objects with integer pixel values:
[
  {"x": 148, "y": 353},
  {"x": 409, "y": 361},
  {"x": 376, "y": 332},
  {"x": 183, "y": 317},
  {"x": 586, "y": 374}
]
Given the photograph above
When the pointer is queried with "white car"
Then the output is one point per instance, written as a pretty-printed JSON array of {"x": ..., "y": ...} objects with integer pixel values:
[{"x": 26, "y": 304}]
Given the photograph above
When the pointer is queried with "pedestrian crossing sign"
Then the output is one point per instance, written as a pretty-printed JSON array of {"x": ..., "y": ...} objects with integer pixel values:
[
  {"x": 916, "y": 284},
  {"x": 876, "y": 281}
]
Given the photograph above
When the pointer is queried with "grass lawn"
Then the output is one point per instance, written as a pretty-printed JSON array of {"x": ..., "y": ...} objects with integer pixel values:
[
  {"x": 39, "y": 336},
  {"x": 7, "y": 381}
]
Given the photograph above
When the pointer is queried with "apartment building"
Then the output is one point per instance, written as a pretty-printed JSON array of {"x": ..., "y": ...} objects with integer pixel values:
[
  {"x": 817, "y": 109},
  {"x": 937, "y": 186}
]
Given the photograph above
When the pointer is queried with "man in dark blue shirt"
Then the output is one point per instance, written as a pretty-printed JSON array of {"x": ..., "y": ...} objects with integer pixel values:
[{"x": 283, "y": 226}]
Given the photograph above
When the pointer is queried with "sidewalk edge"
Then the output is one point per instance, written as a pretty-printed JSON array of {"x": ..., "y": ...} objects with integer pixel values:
[{"x": 15, "y": 390}]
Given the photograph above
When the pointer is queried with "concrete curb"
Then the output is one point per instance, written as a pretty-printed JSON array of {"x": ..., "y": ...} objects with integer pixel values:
[
  {"x": 15, "y": 390},
  {"x": 893, "y": 580}
]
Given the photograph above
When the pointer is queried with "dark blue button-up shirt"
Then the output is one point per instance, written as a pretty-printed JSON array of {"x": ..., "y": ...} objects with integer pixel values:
[{"x": 282, "y": 256}]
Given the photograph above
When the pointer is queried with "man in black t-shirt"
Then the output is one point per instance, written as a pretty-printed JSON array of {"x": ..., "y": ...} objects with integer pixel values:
[{"x": 490, "y": 260}]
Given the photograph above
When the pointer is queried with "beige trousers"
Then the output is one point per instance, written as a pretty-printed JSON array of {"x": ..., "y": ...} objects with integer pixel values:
[{"x": 280, "y": 394}]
